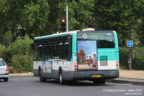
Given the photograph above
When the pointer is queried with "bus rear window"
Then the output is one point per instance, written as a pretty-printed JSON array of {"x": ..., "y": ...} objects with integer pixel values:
[{"x": 105, "y": 39}]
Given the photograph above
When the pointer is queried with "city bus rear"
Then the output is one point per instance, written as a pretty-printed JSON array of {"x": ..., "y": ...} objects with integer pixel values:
[{"x": 97, "y": 55}]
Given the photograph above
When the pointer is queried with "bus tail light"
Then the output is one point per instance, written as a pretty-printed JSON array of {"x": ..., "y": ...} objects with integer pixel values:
[
  {"x": 75, "y": 65},
  {"x": 117, "y": 64}
]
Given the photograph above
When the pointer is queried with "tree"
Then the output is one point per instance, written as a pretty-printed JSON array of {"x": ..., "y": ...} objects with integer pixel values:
[
  {"x": 20, "y": 17},
  {"x": 42, "y": 17},
  {"x": 80, "y": 13},
  {"x": 117, "y": 15}
]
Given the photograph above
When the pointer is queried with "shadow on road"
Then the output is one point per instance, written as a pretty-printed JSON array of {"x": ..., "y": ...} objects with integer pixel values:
[{"x": 74, "y": 83}]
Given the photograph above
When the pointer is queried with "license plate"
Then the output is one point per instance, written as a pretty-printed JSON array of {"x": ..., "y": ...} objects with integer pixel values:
[{"x": 96, "y": 76}]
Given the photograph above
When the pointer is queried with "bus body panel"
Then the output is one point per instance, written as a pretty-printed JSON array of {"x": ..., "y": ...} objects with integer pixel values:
[
  {"x": 74, "y": 47},
  {"x": 36, "y": 66},
  {"x": 65, "y": 65},
  {"x": 87, "y": 75},
  {"x": 107, "y": 59},
  {"x": 55, "y": 65}
]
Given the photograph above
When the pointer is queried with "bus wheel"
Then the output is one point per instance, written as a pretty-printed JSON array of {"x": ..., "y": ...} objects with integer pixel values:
[
  {"x": 42, "y": 79},
  {"x": 61, "y": 78}
]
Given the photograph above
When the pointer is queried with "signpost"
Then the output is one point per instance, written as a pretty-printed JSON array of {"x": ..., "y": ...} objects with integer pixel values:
[{"x": 130, "y": 45}]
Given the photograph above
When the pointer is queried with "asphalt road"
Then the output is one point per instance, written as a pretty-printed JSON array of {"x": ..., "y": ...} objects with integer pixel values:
[{"x": 31, "y": 86}]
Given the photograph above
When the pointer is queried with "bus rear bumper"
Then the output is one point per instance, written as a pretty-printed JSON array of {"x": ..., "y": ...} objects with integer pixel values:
[{"x": 90, "y": 75}]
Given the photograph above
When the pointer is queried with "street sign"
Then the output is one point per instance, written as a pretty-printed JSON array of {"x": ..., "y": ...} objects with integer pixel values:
[{"x": 129, "y": 43}]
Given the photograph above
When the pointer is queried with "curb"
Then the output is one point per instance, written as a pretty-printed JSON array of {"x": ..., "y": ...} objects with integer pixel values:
[
  {"x": 128, "y": 81},
  {"x": 21, "y": 75}
]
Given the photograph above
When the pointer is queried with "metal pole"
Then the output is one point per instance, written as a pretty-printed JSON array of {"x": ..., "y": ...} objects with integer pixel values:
[
  {"x": 130, "y": 38},
  {"x": 130, "y": 58},
  {"x": 67, "y": 16},
  {"x": 130, "y": 50}
]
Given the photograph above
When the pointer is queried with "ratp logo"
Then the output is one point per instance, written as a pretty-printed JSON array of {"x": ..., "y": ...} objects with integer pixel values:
[{"x": 84, "y": 36}]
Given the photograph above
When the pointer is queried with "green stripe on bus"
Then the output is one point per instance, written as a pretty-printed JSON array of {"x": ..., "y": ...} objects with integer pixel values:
[
  {"x": 46, "y": 37},
  {"x": 110, "y": 54},
  {"x": 74, "y": 45}
]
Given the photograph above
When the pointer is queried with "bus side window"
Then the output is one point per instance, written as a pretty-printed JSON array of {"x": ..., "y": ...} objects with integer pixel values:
[
  {"x": 59, "y": 50},
  {"x": 65, "y": 51},
  {"x": 70, "y": 48}
]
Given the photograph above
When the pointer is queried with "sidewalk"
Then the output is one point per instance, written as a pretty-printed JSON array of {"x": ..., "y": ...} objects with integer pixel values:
[
  {"x": 21, "y": 74},
  {"x": 130, "y": 76}
]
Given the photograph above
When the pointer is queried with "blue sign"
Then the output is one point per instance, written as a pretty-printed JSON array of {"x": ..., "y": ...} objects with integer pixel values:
[{"x": 129, "y": 43}]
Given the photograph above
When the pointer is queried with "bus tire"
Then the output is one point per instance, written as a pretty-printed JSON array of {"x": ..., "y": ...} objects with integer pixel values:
[
  {"x": 41, "y": 78},
  {"x": 61, "y": 80}
]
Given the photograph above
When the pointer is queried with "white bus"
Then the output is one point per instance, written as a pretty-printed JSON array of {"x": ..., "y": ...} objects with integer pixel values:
[{"x": 77, "y": 55}]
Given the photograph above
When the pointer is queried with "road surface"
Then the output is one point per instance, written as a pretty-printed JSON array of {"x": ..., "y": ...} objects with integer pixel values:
[{"x": 31, "y": 86}]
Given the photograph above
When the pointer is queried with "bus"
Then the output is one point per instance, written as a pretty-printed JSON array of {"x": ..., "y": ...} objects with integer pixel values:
[{"x": 77, "y": 55}]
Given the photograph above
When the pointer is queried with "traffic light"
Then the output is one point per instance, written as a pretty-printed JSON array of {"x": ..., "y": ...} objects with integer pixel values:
[{"x": 63, "y": 25}]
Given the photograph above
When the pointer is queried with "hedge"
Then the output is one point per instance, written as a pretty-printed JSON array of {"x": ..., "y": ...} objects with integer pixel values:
[
  {"x": 137, "y": 62},
  {"x": 18, "y": 55}
]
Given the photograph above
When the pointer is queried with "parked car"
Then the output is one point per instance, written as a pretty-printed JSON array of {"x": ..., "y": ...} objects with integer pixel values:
[{"x": 3, "y": 70}]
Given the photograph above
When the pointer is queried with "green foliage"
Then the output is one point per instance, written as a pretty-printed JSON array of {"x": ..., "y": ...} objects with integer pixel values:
[
  {"x": 18, "y": 55},
  {"x": 80, "y": 13},
  {"x": 22, "y": 63},
  {"x": 4, "y": 53},
  {"x": 119, "y": 15},
  {"x": 123, "y": 54},
  {"x": 137, "y": 62},
  {"x": 42, "y": 17},
  {"x": 21, "y": 17},
  {"x": 1, "y": 49},
  {"x": 20, "y": 46}
]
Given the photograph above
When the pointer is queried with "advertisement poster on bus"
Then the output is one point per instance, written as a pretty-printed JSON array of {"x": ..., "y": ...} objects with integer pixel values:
[
  {"x": 46, "y": 65},
  {"x": 87, "y": 54}
]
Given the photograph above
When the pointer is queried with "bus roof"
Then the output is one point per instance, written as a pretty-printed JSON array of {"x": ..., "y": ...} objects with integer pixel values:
[
  {"x": 65, "y": 34},
  {"x": 55, "y": 35}
]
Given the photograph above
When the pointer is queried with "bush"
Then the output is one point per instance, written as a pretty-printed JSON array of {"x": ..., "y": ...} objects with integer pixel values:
[
  {"x": 22, "y": 63},
  {"x": 2, "y": 48},
  {"x": 137, "y": 62},
  {"x": 123, "y": 53},
  {"x": 20, "y": 46},
  {"x": 20, "y": 55}
]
